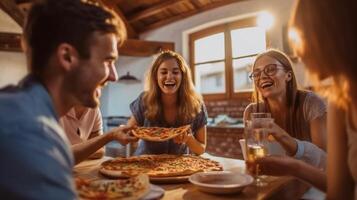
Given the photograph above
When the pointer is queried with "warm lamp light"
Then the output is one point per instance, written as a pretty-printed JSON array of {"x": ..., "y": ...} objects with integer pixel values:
[
  {"x": 265, "y": 20},
  {"x": 294, "y": 37}
]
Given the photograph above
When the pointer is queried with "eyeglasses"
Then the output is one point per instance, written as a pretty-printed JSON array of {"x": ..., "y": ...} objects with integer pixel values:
[{"x": 269, "y": 69}]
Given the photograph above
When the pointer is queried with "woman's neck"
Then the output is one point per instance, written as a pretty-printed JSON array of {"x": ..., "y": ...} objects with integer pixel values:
[
  {"x": 169, "y": 100},
  {"x": 278, "y": 103}
]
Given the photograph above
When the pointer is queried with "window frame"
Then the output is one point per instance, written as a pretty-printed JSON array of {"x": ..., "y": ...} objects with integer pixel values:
[{"x": 228, "y": 67}]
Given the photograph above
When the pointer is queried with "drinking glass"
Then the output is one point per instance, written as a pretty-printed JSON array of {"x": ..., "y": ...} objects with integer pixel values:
[{"x": 256, "y": 138}]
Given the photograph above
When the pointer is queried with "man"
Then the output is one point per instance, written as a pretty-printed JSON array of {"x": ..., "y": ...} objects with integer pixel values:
[{"x": 71, "y": 46}]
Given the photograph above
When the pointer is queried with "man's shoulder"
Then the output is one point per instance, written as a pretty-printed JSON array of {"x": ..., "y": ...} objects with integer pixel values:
[
  {"x": 19, "y": 113},
  {"x": 12, "y": 106},
  {"x": 13, "y": 102}
]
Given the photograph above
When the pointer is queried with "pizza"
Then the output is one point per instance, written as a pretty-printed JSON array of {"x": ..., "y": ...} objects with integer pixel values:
[
  {"x": 163, "y": 165},
  {"x": 126, "y": 189},
  {"x": 158, "y": 134}
]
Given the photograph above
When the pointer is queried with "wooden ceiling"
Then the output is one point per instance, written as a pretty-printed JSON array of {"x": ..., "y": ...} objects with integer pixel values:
[{"x": 139, "y": 16}]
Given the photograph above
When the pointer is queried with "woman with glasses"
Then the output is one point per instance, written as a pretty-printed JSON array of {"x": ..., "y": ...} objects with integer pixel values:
[
  {"x": 299, "y": 116},
  {"x": 327, "y": 44}
]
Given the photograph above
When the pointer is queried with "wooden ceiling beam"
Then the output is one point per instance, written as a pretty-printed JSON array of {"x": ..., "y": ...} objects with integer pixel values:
[
  {"x": 130, "y": 30},
  {"x": 10, "y": 7},
  {"x": 186, "y": 14},
  {"x": 137, "y": 48},
  {"x": 10, "y": 42},
  {"x": 153, "y": 10},
  {"x": 141, "y": 48}
]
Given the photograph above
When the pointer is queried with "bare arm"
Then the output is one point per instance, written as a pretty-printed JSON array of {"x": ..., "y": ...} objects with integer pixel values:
[
  {"x": 287, "y": 166},
  {"x": 340, "y": 183},
  {"x": 132, "y": 122},
  {"x": 82, "y": 150},
  {"x": 198, "y": 144},
  {"x": 319, "y": 132},
  {"x": 100, "y": 152}
]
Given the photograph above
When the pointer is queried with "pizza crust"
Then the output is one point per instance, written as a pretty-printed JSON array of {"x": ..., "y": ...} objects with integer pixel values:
[{"x": 113, "y": 173}]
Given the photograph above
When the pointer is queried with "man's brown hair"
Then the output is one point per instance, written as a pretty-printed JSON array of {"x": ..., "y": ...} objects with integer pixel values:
[{"x": 52, "y": 22}]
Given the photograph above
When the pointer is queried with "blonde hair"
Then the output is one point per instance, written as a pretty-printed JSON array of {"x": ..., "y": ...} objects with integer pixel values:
[
  {"x": 189, "y": 101},
  {"x": 328, "y": 33}
]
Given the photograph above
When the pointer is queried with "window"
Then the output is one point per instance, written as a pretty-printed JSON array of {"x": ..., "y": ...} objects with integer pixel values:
[{"x": 221, "y": 57}]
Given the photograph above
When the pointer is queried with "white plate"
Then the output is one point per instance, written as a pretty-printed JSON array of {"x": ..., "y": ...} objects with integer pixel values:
[{"x": 221, "y": 182}]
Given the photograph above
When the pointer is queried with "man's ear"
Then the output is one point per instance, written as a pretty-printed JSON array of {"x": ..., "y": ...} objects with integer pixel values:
[
  {"x": 289, "y": 76},
  {"x": 67, "y": 56}
]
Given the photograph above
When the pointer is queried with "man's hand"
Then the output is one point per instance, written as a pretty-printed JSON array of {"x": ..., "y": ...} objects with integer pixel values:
[{"x": 122, "y": 134}]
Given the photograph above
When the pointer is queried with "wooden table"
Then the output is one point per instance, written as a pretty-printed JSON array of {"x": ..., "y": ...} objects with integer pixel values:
[{"x": 277, "y": 188}]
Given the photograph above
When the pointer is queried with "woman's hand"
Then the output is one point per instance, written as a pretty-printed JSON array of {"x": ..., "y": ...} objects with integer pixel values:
[
  {"x": 122, "y": 134},
  {"x": 183, "y": 138},
  {"x": 277, "y": 165},
  {"x": 281, "y": 136}
]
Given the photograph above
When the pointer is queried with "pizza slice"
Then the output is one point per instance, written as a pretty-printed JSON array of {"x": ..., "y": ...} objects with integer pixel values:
[
  {"x": 126, "y": 189},
  {"x": 159, "y": 134}
]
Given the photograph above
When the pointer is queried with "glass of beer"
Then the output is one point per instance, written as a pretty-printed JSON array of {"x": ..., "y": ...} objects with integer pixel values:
[{"x": 256, "y": 138}]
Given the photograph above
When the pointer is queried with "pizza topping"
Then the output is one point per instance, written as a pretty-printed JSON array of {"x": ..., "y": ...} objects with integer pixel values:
[
  {"x": 160, "y": 134},
  {"x": 158, "y": 165},
  {"x": 134, "y": 187}
]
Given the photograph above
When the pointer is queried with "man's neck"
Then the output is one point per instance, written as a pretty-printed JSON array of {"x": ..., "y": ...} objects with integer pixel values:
[
  {"x": 58, "y": 96},
  {"x": 79, "y": 111}
]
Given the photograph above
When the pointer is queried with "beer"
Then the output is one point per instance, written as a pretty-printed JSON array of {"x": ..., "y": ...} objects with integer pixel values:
[{"x": 255, "y": 151}]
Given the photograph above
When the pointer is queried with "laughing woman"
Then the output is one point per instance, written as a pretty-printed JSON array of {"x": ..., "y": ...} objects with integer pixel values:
[
  {"x": 170, "y": 100},
  {"x": 299, "y": 116}
]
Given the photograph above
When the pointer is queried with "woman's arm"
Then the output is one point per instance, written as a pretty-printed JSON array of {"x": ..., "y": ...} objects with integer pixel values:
[
  {"x": 340, "y": 183},
  {"x": 287, "y": 166},
  {"x": 302, "y": 150},
  {"x": 318, "y": 131},
  {"x": 285, "y": 140},
  {"x": 198, "y": 144}
]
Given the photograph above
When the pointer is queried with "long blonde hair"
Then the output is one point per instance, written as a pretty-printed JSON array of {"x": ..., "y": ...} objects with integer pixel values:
[
  {"x": 327, "y": 30},
  {"x": 292, "y": 100},
  {"x": 189, "y": 101}
]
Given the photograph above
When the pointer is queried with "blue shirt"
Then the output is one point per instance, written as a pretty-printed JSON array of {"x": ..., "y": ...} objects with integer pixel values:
[
  {"x": 36, "y": 162},
  {"x": 167, "y": 147}
]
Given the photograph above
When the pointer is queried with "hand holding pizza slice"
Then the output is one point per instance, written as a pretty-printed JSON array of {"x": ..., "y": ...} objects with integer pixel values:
[
  {"x": 183, "y": 137},
  {"x": 120, "y": 134}
]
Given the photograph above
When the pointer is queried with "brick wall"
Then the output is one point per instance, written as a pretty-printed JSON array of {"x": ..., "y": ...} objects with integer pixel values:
[
  {"x": 225, "y": 141},
  {"x": 233, "y": 107}
]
